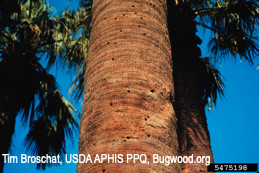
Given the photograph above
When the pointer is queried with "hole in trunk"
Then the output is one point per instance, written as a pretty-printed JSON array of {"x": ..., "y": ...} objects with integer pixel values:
[{"x": 152, "y": 91}]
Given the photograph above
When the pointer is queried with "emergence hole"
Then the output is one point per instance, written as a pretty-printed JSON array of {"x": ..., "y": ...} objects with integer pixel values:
[
  {"x": 108, "y": 43},
  {"x": 128, "y": 91},
  {"x": 123, "y": 14},
  {"x": 127, "y": 137},
  {"x": 115, "y": 18},
  {"x": 145, "y": 119},
  {"x": 148, "y": 135},
  {"x": 152, "y": 91},
  {"x": 103, "y": 170},
  {"x": 113, "y": 59},
  {"x": 144, "y": 34},
  {"x": 133, "y": 5},
  {"x": 111, "y": 104}
]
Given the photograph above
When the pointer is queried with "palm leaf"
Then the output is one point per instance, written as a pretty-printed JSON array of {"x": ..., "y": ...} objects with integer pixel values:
[
  {"x": 49, "y": 131},
  {"x": 233, "y": 23},
  {"x": 77, "y": 86},
  {"x": 211, "y": 81},
  {"x": 29, "y": 87}
]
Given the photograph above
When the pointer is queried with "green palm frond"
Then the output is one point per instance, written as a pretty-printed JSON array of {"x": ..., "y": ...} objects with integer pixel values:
[
  {"x": 77, "y": 87},
  {"x": 44, "y": 138},
  {"x": 71, "y": 35},
  {"x": 200, "y": 4},
  {"x": 234, "y": 44},
  {"x": 72, "y": 40},
  {"x": 233, "y": 23},
  {"x": 52, "y": 122},
  {"x": 85, "y": 17},
  {"x": 32, "y": 33},
  {"x": 6, "y": 37},
  {"x": 211, "y": 81},
  {"x": 73, "y": 52}
]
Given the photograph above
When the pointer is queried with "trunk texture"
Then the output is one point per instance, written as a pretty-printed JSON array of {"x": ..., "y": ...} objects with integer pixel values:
[
  {"x": 129, "y": 85},
  {"x": 193, "y": 134}
]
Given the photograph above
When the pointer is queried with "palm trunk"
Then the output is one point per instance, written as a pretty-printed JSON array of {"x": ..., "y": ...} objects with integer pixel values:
[
  {"x": 193, "y": 134},
  {"x": 127, "y": 107},
  {"x": 7, "y": 125}
]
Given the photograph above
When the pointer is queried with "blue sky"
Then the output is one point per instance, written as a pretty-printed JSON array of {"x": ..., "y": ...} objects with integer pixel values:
[{"x": 233, "y": 124}]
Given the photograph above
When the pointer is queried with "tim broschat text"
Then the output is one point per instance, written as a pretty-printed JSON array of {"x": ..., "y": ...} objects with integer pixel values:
[{"x": 106, "y": 158}]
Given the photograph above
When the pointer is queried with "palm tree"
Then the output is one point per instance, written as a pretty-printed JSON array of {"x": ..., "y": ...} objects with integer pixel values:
[
  {"x": 197, "y": 81},
  {"x": 74, "y": 49},
  {"x": 29, "y": 34},
  {"x": 232, "y": 24},
  {"x": 128, "y": 85}
]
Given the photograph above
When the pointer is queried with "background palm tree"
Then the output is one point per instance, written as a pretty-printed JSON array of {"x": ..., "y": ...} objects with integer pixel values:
[
  {"x": 78, "y": 51},
  {"x": 232, "y": 24},
  {"x": 28, "y": 35}
]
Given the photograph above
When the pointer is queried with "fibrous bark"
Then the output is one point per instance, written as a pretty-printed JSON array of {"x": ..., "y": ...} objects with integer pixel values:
[
  {"x": 129, "y": 87},
  {"x": 193, "y": 134}
]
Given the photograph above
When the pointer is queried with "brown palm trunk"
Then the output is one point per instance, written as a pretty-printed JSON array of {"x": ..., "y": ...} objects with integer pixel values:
[
  {"x": 127, "y": 100},
  {"x": 193, "y": 134}
]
